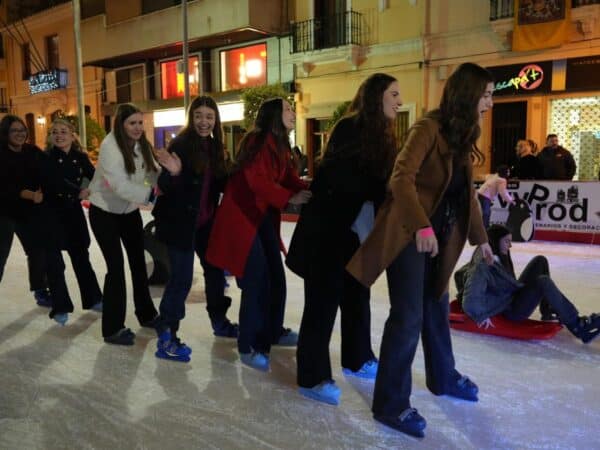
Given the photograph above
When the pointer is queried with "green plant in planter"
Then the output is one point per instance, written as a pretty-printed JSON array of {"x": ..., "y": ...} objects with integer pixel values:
[
  {"x": 338, "y": 113},
  {"x": 254, "y": 96},
  {"x": 94, "y": 134}
]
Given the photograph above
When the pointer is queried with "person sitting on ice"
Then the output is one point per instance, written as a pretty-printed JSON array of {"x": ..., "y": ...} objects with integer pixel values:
[{"x": 488, "y": 290}]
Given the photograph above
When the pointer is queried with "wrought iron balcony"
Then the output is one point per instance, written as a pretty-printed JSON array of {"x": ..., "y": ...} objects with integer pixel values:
[
  {"x": 327, "y": 32},
  {"x": 503, "y": 9}
]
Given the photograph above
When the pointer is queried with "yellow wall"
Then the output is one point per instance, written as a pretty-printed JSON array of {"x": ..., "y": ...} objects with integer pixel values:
[
  {"x": 461, "y": 31},
  {"x": 393, "y": 45}
]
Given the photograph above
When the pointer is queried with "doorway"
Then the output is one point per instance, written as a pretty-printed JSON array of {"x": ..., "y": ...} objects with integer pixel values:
[{"x": 509, "y": 124}]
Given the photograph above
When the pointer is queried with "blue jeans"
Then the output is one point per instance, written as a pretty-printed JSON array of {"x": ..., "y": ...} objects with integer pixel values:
[
  {"x": 263, "y": 292},
  {"x": 486, "y": 209},
  {"x": 172, "y": 305},
  {"x": 217, "y": 303}
]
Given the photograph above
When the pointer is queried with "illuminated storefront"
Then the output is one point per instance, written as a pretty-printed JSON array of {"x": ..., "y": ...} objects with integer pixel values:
[
  {"x": 538, "y": 98},
  {"x": 243, "y": 67},
  {"x": 172, "y": 78}
]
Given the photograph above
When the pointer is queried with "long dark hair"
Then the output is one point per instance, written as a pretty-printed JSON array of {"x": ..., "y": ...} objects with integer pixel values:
[
  {"x": 458, "y": 113},
  {"x": 378, "y": 144},
  {"x": 5, "y": 125},
  {"x": 199, "y": 159},
  {"x": 123, "y": 142},
  {"x": 268, "y": 121},
  {"x": 496, "y": 232}
]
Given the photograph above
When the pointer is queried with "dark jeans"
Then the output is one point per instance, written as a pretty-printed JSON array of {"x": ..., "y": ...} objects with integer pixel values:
[
  {"x": 413, "y": 310},
  {"x": 7, "y": 231},
  {"x": 263, "y": 288},
  {"x": 33, "y": 246},
  {"x": 110, "y": 230},
  {"x": 217, "y": 303},
  {"x": 172, "y": 305},
  {"x": 76, "y": 241},
  {"x": 328, "y": 286},
  {"x": 89, "y": 289},
  {"x": 539, "y": 288},
  {"x": 37, "y": 233},
  {"x": 486, "y": 209}
]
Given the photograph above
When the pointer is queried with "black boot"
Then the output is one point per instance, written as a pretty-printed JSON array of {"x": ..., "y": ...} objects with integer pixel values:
[
  {"x": 548, "y": 314},
  {"x": 586, "y": 328}
]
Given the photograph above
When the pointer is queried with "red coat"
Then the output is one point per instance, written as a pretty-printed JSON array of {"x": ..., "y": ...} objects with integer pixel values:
[{"x": 267, "y": 182}]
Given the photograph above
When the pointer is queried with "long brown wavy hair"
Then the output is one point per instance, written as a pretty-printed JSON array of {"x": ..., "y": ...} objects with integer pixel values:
[
  {"x": 268, "y": 121},
  {"x": 198, "y": 159},
  {"x": 378, "y": 144},
  {"x": 124, "y": 143},
  {"x": 458, "y": 113}
]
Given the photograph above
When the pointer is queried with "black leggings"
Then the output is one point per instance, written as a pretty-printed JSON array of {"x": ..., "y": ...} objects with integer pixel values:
[{"x": 111, "y": 230}]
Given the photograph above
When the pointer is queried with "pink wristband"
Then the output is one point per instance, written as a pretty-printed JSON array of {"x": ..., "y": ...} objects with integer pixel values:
[{"x": 426, "y": 232}]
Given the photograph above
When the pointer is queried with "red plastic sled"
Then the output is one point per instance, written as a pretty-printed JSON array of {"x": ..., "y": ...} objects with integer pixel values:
[{"x": 524, "y": 330}]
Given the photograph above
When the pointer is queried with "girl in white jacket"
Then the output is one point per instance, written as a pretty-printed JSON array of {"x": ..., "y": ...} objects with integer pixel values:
[{"x": 124, "y": 179}]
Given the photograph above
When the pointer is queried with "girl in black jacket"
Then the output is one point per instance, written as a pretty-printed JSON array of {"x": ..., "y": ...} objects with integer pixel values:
[
  {"x": 71, "y": 169},
  {"x": 349, "y": 182},
  {"x": 25, "y": 177},
  {"x": 184, "y": 211}
]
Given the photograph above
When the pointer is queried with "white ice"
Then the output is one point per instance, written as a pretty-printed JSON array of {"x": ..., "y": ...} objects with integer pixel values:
[{"x": 63, "y": 388}]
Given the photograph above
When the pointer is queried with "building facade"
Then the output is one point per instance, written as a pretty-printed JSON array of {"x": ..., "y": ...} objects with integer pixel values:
[
  {"x": 40, "y": 79},
  {"x": 233, "y": 44},
  {"x": 337, "y": 43}
]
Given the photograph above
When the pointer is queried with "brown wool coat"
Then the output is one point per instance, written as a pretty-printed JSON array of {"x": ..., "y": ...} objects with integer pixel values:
[{"x": 420, "y": 177}]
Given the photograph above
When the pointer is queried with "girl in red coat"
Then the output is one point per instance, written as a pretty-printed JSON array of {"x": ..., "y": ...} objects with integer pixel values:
[{"x": 245, "y": 237}]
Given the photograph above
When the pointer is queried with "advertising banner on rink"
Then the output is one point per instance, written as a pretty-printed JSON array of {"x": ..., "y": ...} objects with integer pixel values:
[{"x": 561, "y": 210}]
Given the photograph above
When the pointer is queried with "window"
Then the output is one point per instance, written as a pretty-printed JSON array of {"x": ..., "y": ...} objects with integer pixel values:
[
  {"x": 30, "y": 121},
  {"x": 244, "y": 67},
  {"x": 3, "y": 100},
  {"x": 26, "y": 61},
  {"x": 171, "y": 77},
  {"x": 52, "y": 51},
  {"x": 126, "y": 85}
]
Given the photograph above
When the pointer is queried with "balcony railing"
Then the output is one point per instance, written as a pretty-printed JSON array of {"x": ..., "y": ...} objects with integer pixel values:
[
  {"x": 327, "y": 32},
  {"x": 503, "y": 9}
]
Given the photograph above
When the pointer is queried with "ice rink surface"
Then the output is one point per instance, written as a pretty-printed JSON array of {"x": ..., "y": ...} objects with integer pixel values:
[{"x": 63, "y": 388}]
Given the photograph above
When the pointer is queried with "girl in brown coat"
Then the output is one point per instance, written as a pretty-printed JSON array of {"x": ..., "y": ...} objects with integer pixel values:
[{"x": 419, "y": 233}]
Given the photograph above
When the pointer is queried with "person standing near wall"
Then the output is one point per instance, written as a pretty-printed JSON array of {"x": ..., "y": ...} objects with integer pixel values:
[{"x": 557, "y": 163}]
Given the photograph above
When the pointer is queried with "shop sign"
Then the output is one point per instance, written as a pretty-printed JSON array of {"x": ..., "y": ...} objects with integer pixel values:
[
  {"x": 568, "y": 206},
  {"x": 582, "y": 73},
  {"x": 47, "y": 80},
  {"x": 529, "y": 78},
  {"x": 522, "y": 79}
]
